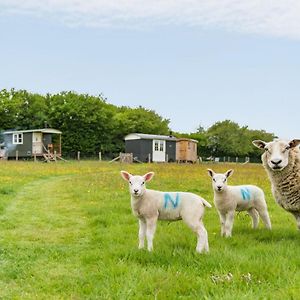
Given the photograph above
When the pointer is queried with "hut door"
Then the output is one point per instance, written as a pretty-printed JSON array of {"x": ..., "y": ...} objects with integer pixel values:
[
  {"x": 37, "y": 144},
  {"x": 159, "y": 150}
]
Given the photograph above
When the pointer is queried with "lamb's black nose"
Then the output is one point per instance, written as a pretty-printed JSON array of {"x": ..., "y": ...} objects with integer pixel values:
[
  {"x": 135, "y": 191},
  {"x": 219, "y": 188},
  {"x": 276, "y": 161}
]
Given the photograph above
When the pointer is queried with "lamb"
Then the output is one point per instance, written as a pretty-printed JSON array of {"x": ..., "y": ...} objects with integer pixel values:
[
  {"x": 150, "y": 205},
  {"x": 229, "y": 199},
  {"x": 281, "y": 160}
]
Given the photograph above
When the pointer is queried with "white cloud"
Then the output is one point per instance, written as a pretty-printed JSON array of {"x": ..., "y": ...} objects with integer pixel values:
[{"x": 267, "y": 17}]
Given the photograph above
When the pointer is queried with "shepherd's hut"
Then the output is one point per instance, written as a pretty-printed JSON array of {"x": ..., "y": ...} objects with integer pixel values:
[
  {"x": 149, "y": 147},
  {"x": 186, "y": 150},
  {"x": 32, "y": 143}
]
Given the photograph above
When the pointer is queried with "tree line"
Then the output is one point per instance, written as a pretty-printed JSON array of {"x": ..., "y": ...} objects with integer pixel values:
[{"x": 90, "y": 124}]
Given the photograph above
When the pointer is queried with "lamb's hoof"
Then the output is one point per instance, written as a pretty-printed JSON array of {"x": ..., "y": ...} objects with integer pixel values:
[{"x": 202, "y": 251}]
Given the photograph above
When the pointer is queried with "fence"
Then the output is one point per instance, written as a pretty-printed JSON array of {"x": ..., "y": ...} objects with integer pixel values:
[
  {"x": 229, "y": 159},
  {"x": 128, "y": 158}
]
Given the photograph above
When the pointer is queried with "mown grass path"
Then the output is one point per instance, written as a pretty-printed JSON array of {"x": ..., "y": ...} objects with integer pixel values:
[{"x": 67, "y": 232}]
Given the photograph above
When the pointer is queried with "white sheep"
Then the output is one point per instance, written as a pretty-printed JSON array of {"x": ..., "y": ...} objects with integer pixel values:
[
  {"x": 229, "y": 199},
  {"x": 149, "y": 206},
  {"x": 281, "y": 160}
]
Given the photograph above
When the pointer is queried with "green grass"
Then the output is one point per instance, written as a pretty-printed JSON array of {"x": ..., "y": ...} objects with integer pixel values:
[{"x": 67, "y": 232}]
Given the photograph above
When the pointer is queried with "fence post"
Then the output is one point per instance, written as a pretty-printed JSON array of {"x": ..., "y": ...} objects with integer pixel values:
[
  {"x": 236, "y": 159},
  {"x": 78, "y": 155},
  {"x": 34, "y": 156},
  {"x": 100, "y": 156},
  {"x": 149, "y": 158},
  {"x": 167, "y": 157},
  {"x": 55, "y": 155},
  {"x": 17, "y": 155}
]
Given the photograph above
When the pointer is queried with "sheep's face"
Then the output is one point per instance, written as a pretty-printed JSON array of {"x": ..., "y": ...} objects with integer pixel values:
[
  {"x": 137, "y": 184},
  {"x": 277, "y": 152},
  {"x": 219, "y": 180}
]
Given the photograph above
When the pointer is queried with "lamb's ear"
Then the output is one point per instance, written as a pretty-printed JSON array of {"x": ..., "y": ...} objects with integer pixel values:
[
  {"x": 259, "y": 144},
  {"x": 125, "y": 175},
  {"x": 148, "y": 176},
  {"x": 294, "y": 143},
  {"x": 211, "y": 173},
  {"x": 228, "y": 173}
]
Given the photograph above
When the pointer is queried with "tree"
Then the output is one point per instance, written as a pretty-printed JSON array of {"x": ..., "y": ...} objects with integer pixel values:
[
  {"x": 137, "y": 120},
  {"x": 86, "y": 122}
]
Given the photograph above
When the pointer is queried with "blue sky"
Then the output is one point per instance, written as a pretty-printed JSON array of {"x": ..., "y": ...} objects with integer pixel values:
[{"x": 193, "y": 62}]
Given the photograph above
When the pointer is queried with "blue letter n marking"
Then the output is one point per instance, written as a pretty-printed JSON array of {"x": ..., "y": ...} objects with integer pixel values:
[
  {"x": 245, "y": 193},
  {"x": 168, "y": 198}
]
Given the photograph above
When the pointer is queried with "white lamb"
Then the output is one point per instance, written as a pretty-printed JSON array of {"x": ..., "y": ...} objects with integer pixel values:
[
  {"x": 149, "y": 206},
  {"x": 229, "y": 199},
  {"x": 281, "y": 160}
]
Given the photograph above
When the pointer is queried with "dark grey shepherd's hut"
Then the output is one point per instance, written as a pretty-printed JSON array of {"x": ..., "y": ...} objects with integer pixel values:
[
  {"x": 31, "y": 143},
  {"x": 156, "y": 148}
]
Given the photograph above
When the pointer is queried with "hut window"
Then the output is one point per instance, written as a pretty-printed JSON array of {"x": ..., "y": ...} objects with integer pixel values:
[
  {"x": 18, "y": 138},
  {"x": 156, "y": 146},
  {"x": 161, "y": 146}
]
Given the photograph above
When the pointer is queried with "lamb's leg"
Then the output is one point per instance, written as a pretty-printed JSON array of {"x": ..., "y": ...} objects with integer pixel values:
[
  {"x": 222, "y": 221},
  {"x": 263, "y": 213},
  {"x": 255, "y": 218},
  {"x": 229, "y": 223},
  {"x": 142, "y": 233},
  {"x": 297, "y": 216},
  {"x": 202, "y": 239},
  {"x": 150, "y": 231}
]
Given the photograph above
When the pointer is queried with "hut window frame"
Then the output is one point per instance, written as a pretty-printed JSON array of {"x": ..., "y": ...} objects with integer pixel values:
[
  {"x": 18, "y": 138},
  {"x": 161, "y": 146}
]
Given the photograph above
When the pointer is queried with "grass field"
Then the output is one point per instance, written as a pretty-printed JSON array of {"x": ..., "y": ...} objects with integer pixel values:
[{"x": 67, "y": 232}]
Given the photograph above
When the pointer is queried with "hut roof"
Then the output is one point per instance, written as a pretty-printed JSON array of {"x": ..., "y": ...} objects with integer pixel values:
[
  {"x": 187, "y": 139},
  {"x": 43, "y": 130},
  {"x": 140, "y": 136}
]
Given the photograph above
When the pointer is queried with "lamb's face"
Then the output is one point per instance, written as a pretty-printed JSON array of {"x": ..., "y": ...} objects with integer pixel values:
[
  {"x": 219, "y": 180},
  {"x": 137, "y": 184},
  {"x": 277, "y": 152}
]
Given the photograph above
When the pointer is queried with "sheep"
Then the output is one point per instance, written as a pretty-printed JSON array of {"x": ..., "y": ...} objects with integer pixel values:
[
  {"x": 150, "y": 205},
  {"x": 229, "y": 199},
  {"x": 281, "y": 161}
]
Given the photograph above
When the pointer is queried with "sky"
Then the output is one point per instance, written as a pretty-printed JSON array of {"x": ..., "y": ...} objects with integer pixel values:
[{"x": 193, "y": 62}]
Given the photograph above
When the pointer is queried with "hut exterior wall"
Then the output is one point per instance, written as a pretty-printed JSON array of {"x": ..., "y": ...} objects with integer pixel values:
[
  {"x": 24, "y": 150},
  {"x": 171, "y": 150},
  {"x": 186, "y": 151},
  {"x": 139, "y": 148}
]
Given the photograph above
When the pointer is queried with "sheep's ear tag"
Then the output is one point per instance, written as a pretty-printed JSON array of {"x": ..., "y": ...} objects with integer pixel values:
[
  {"x": 148, "y": 176},
  {"x": 125, "y": 175}
]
